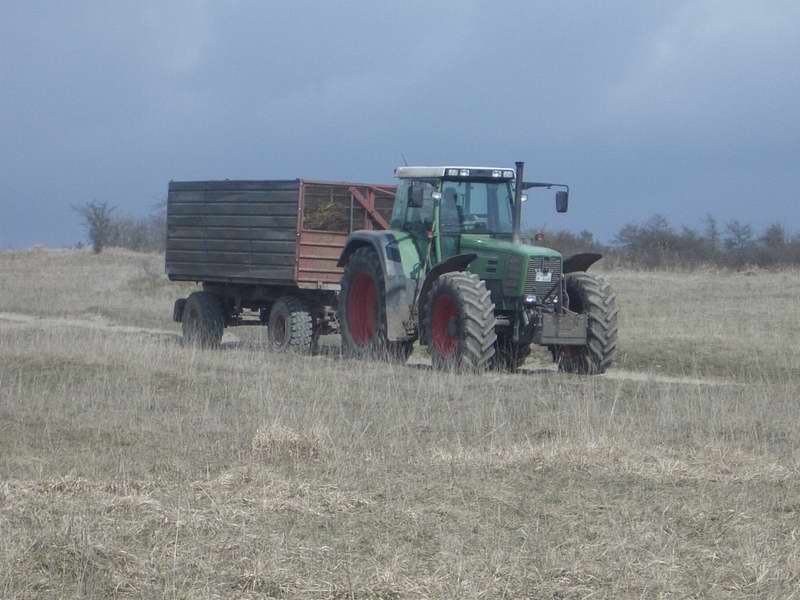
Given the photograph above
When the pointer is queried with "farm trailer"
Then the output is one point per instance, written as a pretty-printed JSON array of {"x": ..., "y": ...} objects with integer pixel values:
[{"x": 265, "y": 253}]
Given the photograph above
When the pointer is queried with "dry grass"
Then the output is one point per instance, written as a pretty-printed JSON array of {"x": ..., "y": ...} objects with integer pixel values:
[{"x": 133, "y": 466}]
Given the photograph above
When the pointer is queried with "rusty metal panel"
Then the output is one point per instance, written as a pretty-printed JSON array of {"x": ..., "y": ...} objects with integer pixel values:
[
  {"x": 317, "y": 250},
  {"x": 318, "y": 265},
  {"x": 318, "y": 254}
]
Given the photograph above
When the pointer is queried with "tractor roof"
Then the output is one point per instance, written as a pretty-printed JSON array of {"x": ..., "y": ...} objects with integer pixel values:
[{"x": 453, "y": 170}]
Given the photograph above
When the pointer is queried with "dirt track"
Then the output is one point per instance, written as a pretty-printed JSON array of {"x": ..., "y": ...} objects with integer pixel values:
[
  {"x": 102, "y": 324},
  {"x": 98, "y": 323}
]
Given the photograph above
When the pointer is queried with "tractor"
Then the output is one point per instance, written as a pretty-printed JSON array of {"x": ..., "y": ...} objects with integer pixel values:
[{"x": 451, "y": 273}]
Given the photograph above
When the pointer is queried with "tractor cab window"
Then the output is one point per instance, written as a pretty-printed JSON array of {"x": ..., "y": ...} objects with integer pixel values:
[
  {"x": 413, "y": 205},
  {"x": 477, "y": 206}
]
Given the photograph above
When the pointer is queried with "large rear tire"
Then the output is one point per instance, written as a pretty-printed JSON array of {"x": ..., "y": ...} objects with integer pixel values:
[
  {"x": 291, "y": 327},
  {"x": 203, "y": 320},
  {"x": 361, "y": 311},
  {"x": 592, "y": 296},
  {"x": 459, "y": 322}
]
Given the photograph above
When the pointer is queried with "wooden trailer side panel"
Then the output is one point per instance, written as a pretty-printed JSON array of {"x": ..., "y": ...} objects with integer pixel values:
[{"x": 233, "y": 231}]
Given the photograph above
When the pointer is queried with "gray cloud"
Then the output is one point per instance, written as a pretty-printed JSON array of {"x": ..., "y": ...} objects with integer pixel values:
[{"x": 681, "y": 107}]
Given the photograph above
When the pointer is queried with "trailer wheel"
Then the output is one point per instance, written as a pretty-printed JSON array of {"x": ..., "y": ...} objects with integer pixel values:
[
  {"x": 459, "y": 322},
  {"x": 510, "y": 356},
  {"x": 593, "y": 297},
  {"x": 203, "y": 320},
  {"x": 291, "y": 327}
]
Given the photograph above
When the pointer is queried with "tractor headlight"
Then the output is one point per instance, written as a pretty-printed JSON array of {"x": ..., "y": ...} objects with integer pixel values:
[
  {"x": 530, "y": 299},
  {"x": 496, "y": 173},
  {"x": 464, "y": 172},
  {"x": 508, "y": 173},
  {"x": 452, "y": 172}
]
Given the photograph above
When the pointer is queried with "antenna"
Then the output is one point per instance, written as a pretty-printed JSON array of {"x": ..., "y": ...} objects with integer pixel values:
[{"x": 403, "y": 156}]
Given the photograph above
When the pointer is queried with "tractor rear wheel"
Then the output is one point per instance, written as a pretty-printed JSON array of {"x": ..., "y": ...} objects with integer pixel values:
[
  {"x": 593, "y": 297},
  {"x": 291, "y": 328},
  {"x": 509, "y": 355},
  {"x": 361, "y": 311},
  {"x": 203, "y": 320},
  {"x": 459, "y": 322}
]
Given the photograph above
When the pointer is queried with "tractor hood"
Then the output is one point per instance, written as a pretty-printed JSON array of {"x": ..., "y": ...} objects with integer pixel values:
[{"x": 485, "y": 244}]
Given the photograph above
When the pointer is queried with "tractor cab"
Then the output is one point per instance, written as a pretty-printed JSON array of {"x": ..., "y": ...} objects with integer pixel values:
[{"x": 446, "y": 203}]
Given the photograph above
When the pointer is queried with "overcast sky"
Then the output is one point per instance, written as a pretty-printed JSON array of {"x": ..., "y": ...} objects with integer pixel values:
[{"x": 678, "y": 107}]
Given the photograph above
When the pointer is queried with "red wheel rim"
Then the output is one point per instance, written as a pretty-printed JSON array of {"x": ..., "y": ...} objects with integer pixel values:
[
  {"x": 362, "y": 304},
  {"x": 445, "y": 311}
]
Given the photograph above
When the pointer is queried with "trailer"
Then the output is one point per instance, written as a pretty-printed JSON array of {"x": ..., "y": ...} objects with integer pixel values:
[{"x": 266, "y": 253}]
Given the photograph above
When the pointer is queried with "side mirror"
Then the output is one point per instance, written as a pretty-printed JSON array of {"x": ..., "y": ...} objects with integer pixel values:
[{"x": 562, "y": 201}]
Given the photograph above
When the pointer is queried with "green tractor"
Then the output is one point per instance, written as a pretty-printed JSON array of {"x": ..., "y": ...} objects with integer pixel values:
[{"x": 452, "y": 273}]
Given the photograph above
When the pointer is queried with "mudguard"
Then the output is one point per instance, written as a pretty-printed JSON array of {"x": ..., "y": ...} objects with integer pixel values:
[
  {"x": 454, "y": 263},
  {"x": 399, "y": 287},
  {"x": 580, "y": 262}
]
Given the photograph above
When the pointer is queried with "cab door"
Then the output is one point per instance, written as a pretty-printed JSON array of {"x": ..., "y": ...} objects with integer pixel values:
[
  {"x": 413, "y": 213},
  {"x": 450, "y": 218}
]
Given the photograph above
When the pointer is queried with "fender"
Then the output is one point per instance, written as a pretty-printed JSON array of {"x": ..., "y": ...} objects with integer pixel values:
[
  {"x": 399, "y": 288},
  {"x": 454, "y": 263},
  {"x": 580, "y": 262},
  {"x": 378, "y": 240}
]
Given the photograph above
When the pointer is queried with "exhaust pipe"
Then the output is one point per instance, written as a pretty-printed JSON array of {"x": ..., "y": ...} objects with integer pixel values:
[{"x": 516, "y": 221}]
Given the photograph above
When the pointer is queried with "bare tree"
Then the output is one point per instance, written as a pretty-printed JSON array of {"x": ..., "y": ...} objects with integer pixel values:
[
  {"x": 774, "y": 237},
  {"x": 739, "y": 237},
  {"x": 97, "y": 222}
]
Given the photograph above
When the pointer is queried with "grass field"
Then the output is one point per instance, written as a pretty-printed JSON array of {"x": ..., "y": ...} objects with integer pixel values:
[{"x": 133, "y": 466}]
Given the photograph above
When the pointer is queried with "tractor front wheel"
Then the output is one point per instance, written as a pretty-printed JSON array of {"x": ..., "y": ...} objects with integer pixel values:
[
  {"x": 593, "y": 297},
  {"x": 459, "y": 322}
]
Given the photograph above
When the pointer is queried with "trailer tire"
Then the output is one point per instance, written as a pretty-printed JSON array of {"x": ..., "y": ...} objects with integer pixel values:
[
  {"x": 203, "y": 320},
  {"x": 459, "y": 322},
  {"x": 592, "y": 296},
  {"x": 291, "y": 327}
]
